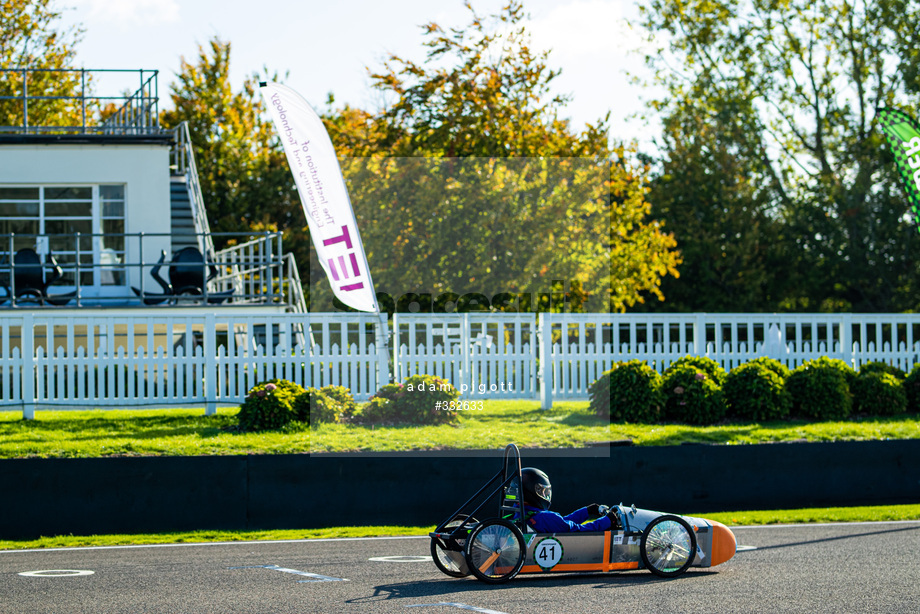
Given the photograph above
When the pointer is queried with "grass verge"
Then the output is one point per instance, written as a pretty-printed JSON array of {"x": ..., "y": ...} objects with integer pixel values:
[
  {"x": 834, "y": 514},
  {"x": 184, "y": 432}
]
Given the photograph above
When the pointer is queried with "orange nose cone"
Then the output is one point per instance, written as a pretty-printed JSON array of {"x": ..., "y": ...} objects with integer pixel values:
[{"x": 723, "y": 543}]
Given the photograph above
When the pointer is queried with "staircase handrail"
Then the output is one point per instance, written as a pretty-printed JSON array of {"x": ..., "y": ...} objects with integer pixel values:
[{"x": 184, "y": 162}]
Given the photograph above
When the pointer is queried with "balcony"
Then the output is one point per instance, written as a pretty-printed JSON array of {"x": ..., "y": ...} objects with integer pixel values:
[{"x": 117, "y": 270}]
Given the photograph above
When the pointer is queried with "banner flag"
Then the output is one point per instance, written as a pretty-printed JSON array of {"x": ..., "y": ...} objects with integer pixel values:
[
  {"x": 323, "y": 195},
  {"x": 903, "y": 133}
]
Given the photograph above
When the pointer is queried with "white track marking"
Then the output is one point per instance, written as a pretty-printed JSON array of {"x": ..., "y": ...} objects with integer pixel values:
[
  {"x": 56, "y": 573},
  {"x": 315, "y": 577},
  {"x": 462, "y": 606}
]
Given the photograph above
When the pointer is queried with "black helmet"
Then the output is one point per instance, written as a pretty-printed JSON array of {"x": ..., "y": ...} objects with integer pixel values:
[{"x": 538, "y": 491}]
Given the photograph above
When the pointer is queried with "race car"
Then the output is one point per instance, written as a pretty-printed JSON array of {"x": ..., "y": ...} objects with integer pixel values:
[{"x": 498, "y": 548}]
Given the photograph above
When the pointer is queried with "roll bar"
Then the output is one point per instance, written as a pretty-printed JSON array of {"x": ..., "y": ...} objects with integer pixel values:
[{"x": 507, "y": 482}]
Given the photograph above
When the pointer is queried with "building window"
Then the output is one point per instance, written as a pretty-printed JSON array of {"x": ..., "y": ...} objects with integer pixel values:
[{"x": 83, "y": 226}]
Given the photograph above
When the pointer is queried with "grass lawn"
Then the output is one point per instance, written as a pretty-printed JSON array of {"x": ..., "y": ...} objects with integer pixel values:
[
  {"x": 834, "y": 514},
  {"x": 70, "y": 434}
]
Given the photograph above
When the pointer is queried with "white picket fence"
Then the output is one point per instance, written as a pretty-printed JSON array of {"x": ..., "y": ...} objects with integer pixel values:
[{"x": 70, "y": 359}]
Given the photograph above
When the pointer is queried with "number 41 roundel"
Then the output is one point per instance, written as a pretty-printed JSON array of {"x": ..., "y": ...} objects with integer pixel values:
[{"x": 547, "y": 553}]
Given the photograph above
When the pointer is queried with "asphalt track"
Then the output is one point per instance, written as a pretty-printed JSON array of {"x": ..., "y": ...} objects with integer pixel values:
[{"x": 860, "y": 567}]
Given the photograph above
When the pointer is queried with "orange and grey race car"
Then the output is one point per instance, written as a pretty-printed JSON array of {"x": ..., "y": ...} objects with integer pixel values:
[{"x": 497, "y": 549}]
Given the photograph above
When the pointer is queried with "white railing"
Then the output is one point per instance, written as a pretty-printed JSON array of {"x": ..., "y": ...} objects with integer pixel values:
[{"x": 190, "y": 358}]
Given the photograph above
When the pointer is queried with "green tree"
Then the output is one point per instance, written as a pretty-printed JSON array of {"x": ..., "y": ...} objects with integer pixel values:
[
  {"x": 802, "y": 81},
  {"x": 711, "y": 193},
  {"x": 469, "y": 179},
  {"x": 30, "y": 37},
  {"x": 245, "y": 179}
]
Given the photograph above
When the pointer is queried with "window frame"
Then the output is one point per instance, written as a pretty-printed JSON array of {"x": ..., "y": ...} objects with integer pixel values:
[{"x": 97, "y": 218}]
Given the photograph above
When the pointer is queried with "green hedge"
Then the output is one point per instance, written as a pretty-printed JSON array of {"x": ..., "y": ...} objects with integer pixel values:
[
  {"x": 695, "y": 390},
  {"x": 755, "y": 391},
  {"x": 276, "y": 403},
  {"x": 269, "y": 405},
  {"x": 820, "y": 389},
  {"x": 912, "y": 389},
  {"x": 692, "y": 395},
  {"x": 703, "y": 364},
  {"x": 629, "y": 392},
  {"x": 420, "y": 399},
  {"x": 879, "y": 393}
]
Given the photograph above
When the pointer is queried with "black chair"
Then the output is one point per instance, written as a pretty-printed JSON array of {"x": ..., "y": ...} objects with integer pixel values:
[
  {"x": 187, "y": 280},
  {"x": 151, "y": 298},
  {"x": 29, "y": 281},
  {"x": 4, "y": 279}
]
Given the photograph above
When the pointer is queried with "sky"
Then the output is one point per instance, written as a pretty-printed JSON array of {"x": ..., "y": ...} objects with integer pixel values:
[{"x": 329, "y": 46}]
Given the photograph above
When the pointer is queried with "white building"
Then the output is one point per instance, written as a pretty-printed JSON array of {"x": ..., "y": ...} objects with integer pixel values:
[{"x": 111, "y": 290}]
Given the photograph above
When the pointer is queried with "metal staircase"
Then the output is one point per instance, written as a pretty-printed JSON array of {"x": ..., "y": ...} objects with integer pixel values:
[
  {"x": 188, "y": 203},
  {"x": 182, "y": 227}
]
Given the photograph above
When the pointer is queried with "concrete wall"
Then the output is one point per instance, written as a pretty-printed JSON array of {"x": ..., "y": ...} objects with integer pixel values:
[{"x": 126, "y": 495}]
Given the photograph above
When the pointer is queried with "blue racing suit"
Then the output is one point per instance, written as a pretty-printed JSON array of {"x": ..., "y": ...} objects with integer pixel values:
[{"x": 550, "y": 522}]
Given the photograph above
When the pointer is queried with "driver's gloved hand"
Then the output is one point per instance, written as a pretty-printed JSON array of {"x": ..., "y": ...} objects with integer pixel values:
[
  {"x": 597, "y": 510},
  {"x": 614, "y": 517}
]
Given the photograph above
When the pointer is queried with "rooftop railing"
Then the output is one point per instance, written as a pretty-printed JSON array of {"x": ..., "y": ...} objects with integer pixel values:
[
  {"x": 40, "y": 101},
  {"x": 116, "y": 270}
]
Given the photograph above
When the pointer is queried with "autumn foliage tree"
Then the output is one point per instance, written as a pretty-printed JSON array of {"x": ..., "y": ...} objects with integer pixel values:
[
  {"x": 470, "y": 180},
  {"x": 31, "y": 38},
  {"x": 245, "y": 180}
]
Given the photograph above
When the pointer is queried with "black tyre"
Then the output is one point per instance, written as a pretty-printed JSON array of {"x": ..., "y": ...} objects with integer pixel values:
[
  {"x": 495, "y": 551},
  {"x": 451, "y": 562},
  {"x": 668, "y": 546}
]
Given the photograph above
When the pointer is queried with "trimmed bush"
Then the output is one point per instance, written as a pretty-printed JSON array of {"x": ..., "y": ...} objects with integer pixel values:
[
  {"x": 692, "y": 396},
  {"x": 878, "y": 393},
  {"x": 848, "y": 372},
  {"x": 268, "y": 405},
  {"x": 819, "y": 390},
  {"x": 415, "y": 401},
  {"x": 630, "y": 392},
  {"x": 382, "y": 406},
  {"x": 773, "y": 365},
  {"x": 701, "y": 363},
  {"x": 329, "y": 404},
  {"x": 345, "y": 407},
  {"x": 912, "y": 389},
  {"x": 877, "y": 366},
  {"x": 753, "y": 391}
]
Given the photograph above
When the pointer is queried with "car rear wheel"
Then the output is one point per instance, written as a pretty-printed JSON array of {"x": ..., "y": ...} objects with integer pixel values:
[
  {"x": 451, "y": 562},
  {"x": 495, "y": 551},
  {"x": 668, "y": 546}
]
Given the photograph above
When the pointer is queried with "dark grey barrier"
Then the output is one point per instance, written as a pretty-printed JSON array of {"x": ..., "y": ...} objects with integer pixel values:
[{"x": 126, "y": 495}]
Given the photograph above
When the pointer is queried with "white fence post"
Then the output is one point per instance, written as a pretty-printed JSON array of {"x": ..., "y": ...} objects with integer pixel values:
[
  {"x": 28, "y": 366},
  {"x": 846, "y": 338},
  {"x": 699, "y": 335},
  {"x": 381, "y": 341},
  {"x": 466, "y": 377},
  {"x": 545, "y": 371},
  {"x": 210, "y": 365}
]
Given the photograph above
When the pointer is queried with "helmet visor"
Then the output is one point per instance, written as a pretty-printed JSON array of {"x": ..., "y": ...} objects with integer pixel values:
[{"x": 543, "y": 491}]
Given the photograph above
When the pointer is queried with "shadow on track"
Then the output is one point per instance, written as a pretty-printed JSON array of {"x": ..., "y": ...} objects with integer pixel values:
[
  {"x": 839, "y": 537},
  {"x": 440, "y": 588}
]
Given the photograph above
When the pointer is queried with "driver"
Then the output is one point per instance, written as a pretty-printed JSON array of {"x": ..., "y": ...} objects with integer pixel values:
[{"x": 538, "y": 492}]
